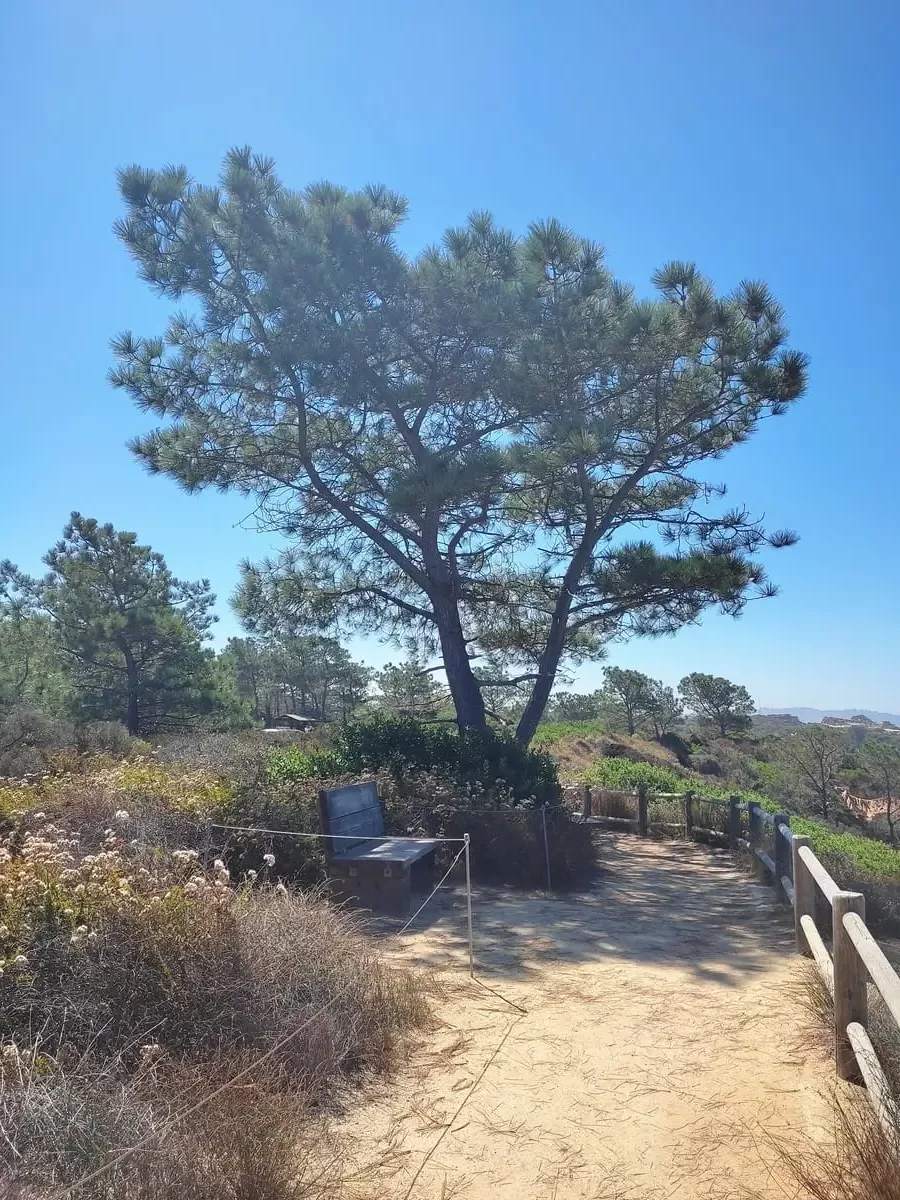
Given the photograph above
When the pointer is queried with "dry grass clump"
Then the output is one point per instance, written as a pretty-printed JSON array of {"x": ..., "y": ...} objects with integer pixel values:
[
  {"x": 865, "y": 1162},
  {"x": 135, "y": 980},
  {"x": 862, "y": 1166},
  {"x": 250, "y": 1144},
  {"x": 102, "y": 950}
]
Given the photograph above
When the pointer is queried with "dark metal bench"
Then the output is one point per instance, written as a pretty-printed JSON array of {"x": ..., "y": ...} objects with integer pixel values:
[{"x": 364, "y": 863}]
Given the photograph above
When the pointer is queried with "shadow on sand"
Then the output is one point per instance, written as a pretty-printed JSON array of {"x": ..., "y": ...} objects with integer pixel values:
[{"x": 669, "y": 904}]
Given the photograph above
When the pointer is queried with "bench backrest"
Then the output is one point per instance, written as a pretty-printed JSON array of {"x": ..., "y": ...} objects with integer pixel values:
[{"x": 353, "y": 811}]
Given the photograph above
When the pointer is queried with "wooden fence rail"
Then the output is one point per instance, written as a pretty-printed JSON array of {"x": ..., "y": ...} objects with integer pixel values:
[
  {"x": 855, "y": 959},
  {"x": 606, "y": 806}
]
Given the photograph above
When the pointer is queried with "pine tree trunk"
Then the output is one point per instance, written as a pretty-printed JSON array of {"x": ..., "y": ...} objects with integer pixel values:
[
  {"x": 464, "y": 688},
  {"x": 133, "y": 715},
  {"x": 534, "y": 709},
  {"x": 548, "y": 664}
]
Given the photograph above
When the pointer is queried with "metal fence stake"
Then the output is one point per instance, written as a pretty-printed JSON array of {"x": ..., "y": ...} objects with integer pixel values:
[
  {"x": 469, "y": 907},
  {"x": 546, "y": 846}
]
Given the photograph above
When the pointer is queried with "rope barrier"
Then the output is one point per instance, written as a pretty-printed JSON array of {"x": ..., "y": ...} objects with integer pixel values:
[{"x": 341, "y": 837}]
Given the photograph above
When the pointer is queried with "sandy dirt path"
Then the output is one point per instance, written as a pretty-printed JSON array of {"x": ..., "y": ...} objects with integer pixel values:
[{"x": 660, "y": 1046}]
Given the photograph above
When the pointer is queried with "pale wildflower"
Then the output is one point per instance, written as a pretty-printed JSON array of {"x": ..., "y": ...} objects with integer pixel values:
[
  {"x": 40, "y": 816},
  {"x": 20, "y": 961},
  {"x": 10, "y": 1057},
  {"x": 251, "y": 875},
  {"x": 121, "y": 814},
  {"x": 269, "y": 860}
]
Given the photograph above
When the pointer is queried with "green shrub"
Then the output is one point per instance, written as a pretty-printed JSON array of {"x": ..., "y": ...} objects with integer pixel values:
[
  {"x": 289, "y": 763},
  {"x": 866, "y": 853},
  {"x": 403, "y": 745},
  {"x": 554, "y": 731},
  {"x": 625, "y": 775}
]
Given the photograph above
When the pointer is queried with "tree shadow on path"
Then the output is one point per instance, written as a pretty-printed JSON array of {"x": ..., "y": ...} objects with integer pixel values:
[{"x": 670, "y": 905}]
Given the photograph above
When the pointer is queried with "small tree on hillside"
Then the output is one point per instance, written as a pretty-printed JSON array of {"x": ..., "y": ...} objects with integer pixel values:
[
  {"x": 882, "y": 761},
  {"x": 466, "y": 446},
  {"x": 629, "y": 693},
  {"x": 130, "y": 631},
  {"x": 664, "y": 708},
  {"x": 812, "y": 759},
  {"x": 727, "y": 704}
]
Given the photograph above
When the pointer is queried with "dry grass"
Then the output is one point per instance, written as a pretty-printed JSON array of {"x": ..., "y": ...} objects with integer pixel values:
[
  {"x": 250, "y": 1145},
  {"x": 135, "y": 982},
  {"x": 861, "y": 1166},
  {"x": 864, "y": 1163}
]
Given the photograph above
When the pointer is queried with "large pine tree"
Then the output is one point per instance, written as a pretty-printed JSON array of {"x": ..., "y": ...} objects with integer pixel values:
[{"x": 493, "y": 447}]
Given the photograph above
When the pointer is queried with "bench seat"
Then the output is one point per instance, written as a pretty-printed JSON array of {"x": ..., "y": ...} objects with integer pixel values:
[
  {"x": 365, "y": 864},
  {"x": 398, "y": 850}
]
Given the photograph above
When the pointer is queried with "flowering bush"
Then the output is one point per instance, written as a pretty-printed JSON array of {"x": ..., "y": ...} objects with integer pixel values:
[{"x": 100, "y": 950}]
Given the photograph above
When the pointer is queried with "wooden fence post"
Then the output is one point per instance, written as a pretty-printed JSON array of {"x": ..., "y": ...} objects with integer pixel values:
[
  {"x": 587, "y": 804},
  {"x": 734, "y": 820},
  {"x": 753, "y": 825},
  {"x": 782, "y": 852},
  {"x": 804, "y": 893},
  {"x": 850, "y": 999},
  {"x": 643, "y": 804},
  {"x": 689, "y": 815}
]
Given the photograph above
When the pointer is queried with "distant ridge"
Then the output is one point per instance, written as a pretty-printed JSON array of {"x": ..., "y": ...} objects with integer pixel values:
[{"x": 814, "y": 715}]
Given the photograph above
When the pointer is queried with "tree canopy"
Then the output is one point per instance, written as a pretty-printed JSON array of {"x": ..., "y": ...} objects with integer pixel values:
[
  {"x": 407, "y": 690},
  {"x": 32, "y": 674},
  {"x": 727, "y": 704},
  {"x": 130, "y": 631},
  {"x": 812, "y": 757},
  {"x": 630, "y": 691},
  {"x": 493, "y": 447},
  {"x": 882, "y": 761},
  {"x": 308, "y": 674}
]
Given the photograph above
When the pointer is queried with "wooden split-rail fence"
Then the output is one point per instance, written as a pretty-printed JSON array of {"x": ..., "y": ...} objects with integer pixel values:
[{"x": 847, "y": 956}]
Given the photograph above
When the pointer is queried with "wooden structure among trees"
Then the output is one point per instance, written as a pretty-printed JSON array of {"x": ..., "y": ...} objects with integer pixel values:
[{"x": 293, "y": 721}]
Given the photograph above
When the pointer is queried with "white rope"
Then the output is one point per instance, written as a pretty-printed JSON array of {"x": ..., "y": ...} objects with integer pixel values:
[
  {"x": 342, "y": 837},
  {"x": 123, "y": 1155},
  {"x": 433, "y": 894}
]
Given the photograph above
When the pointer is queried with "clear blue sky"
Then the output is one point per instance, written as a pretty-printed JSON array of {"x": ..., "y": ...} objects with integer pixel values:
[{"x": 759, "y": 139}]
